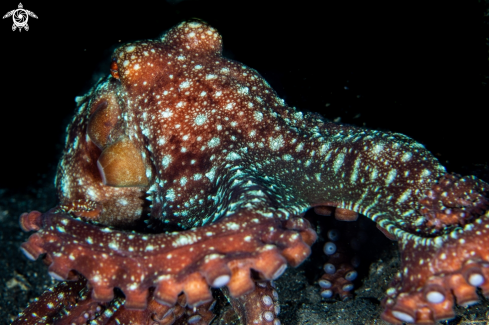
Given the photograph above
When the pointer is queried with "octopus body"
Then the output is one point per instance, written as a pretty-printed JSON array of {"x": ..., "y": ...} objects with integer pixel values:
[{"x": 184, "y": 171}]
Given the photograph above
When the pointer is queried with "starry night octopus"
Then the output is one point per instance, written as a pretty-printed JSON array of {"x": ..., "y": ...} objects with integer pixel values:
[{"x": 203, "y": 149}]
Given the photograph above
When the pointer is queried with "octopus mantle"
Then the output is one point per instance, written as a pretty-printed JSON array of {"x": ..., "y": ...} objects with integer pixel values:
[{"x": 183, "y": 171}]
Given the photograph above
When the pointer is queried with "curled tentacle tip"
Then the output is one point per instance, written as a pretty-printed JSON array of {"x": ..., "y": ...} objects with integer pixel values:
[{"x": 30, "y": 221}]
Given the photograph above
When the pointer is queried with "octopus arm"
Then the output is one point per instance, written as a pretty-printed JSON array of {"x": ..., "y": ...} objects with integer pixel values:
[
  {"x": 260, "y": 306},
  {"x": 447, "y": 267},
  {"x": 70, "y": 302},
  {"x": 43, "y": 310},
  {"x": 191, "y": 261}
]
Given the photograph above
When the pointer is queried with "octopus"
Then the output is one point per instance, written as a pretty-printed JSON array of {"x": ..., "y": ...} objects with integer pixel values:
[{"x": 184, "y": 173}]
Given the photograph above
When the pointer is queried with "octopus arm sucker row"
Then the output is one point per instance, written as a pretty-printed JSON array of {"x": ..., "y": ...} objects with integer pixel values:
[
  {"x": 190, "y": 262},
  {"x": 260, "y": 306}
]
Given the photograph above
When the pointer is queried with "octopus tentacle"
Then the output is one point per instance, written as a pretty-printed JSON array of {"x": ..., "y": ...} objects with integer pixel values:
[
  {"x": 450, "y": 265},
  {"x": 109, "y": 258},
  {"x": 340, "y": 268},
  {"x": 70, "y": 303},
  {"x": 201, "y": 315},
  {"x": 260, "y": 306},
  {"x": 157, "y": 314},
  {"x": 47, "y": 307}
]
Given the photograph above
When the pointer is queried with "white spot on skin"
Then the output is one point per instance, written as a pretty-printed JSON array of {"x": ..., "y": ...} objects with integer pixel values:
[
  {"x": 258, "y": 116},
  {"x": 374, "y": 174},
  {"x": 211, "y": 174},
  {"x": 232, "y": 226},
  {"x": 200, "y": 119},
  {"x": 213, "y": 142},
  {"x": 404, "y": 196},
  {"x": 170, "y": 195},
  {"x": 338, "y": 162},
  {"x": 114, "y": 245},
  {"x": 276, "y": 143},
  {"x": 165, "y": 162},
  {"x": 287, "y": 157},
  {"x": 406, "y": 156},
  {"x": 354, "y": 174},
  {"x": 166, "y": 113},
  {"x": 161, "y": 141},
  {"x": 425, "y": 173},
  {"x": 243, "y": 90},
  {"x": 233, "y": 156},
  {"x": 122, "y": 202},
  {"x": 390, "y": 177},
  {"x": 184, "y": 240},
  {"x": 136, "y": 66},
  {"x": 377, "y": 149},
  {"x": 185, "y": 84},
  {"x": 324, "y": 148}
]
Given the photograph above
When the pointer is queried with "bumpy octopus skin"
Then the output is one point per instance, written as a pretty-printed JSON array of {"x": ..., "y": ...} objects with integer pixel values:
[{"x": 181, "y": 135}]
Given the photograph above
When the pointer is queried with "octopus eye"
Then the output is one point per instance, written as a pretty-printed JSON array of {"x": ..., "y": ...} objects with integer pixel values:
[
  {"x": 114, "y": 69},
  {"x": 102, "y": 122},
  {"x": 120, "y": 163}
]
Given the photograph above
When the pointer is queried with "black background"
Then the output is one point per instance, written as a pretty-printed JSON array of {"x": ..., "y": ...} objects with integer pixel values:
[{"x": 417, "y": 69}]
